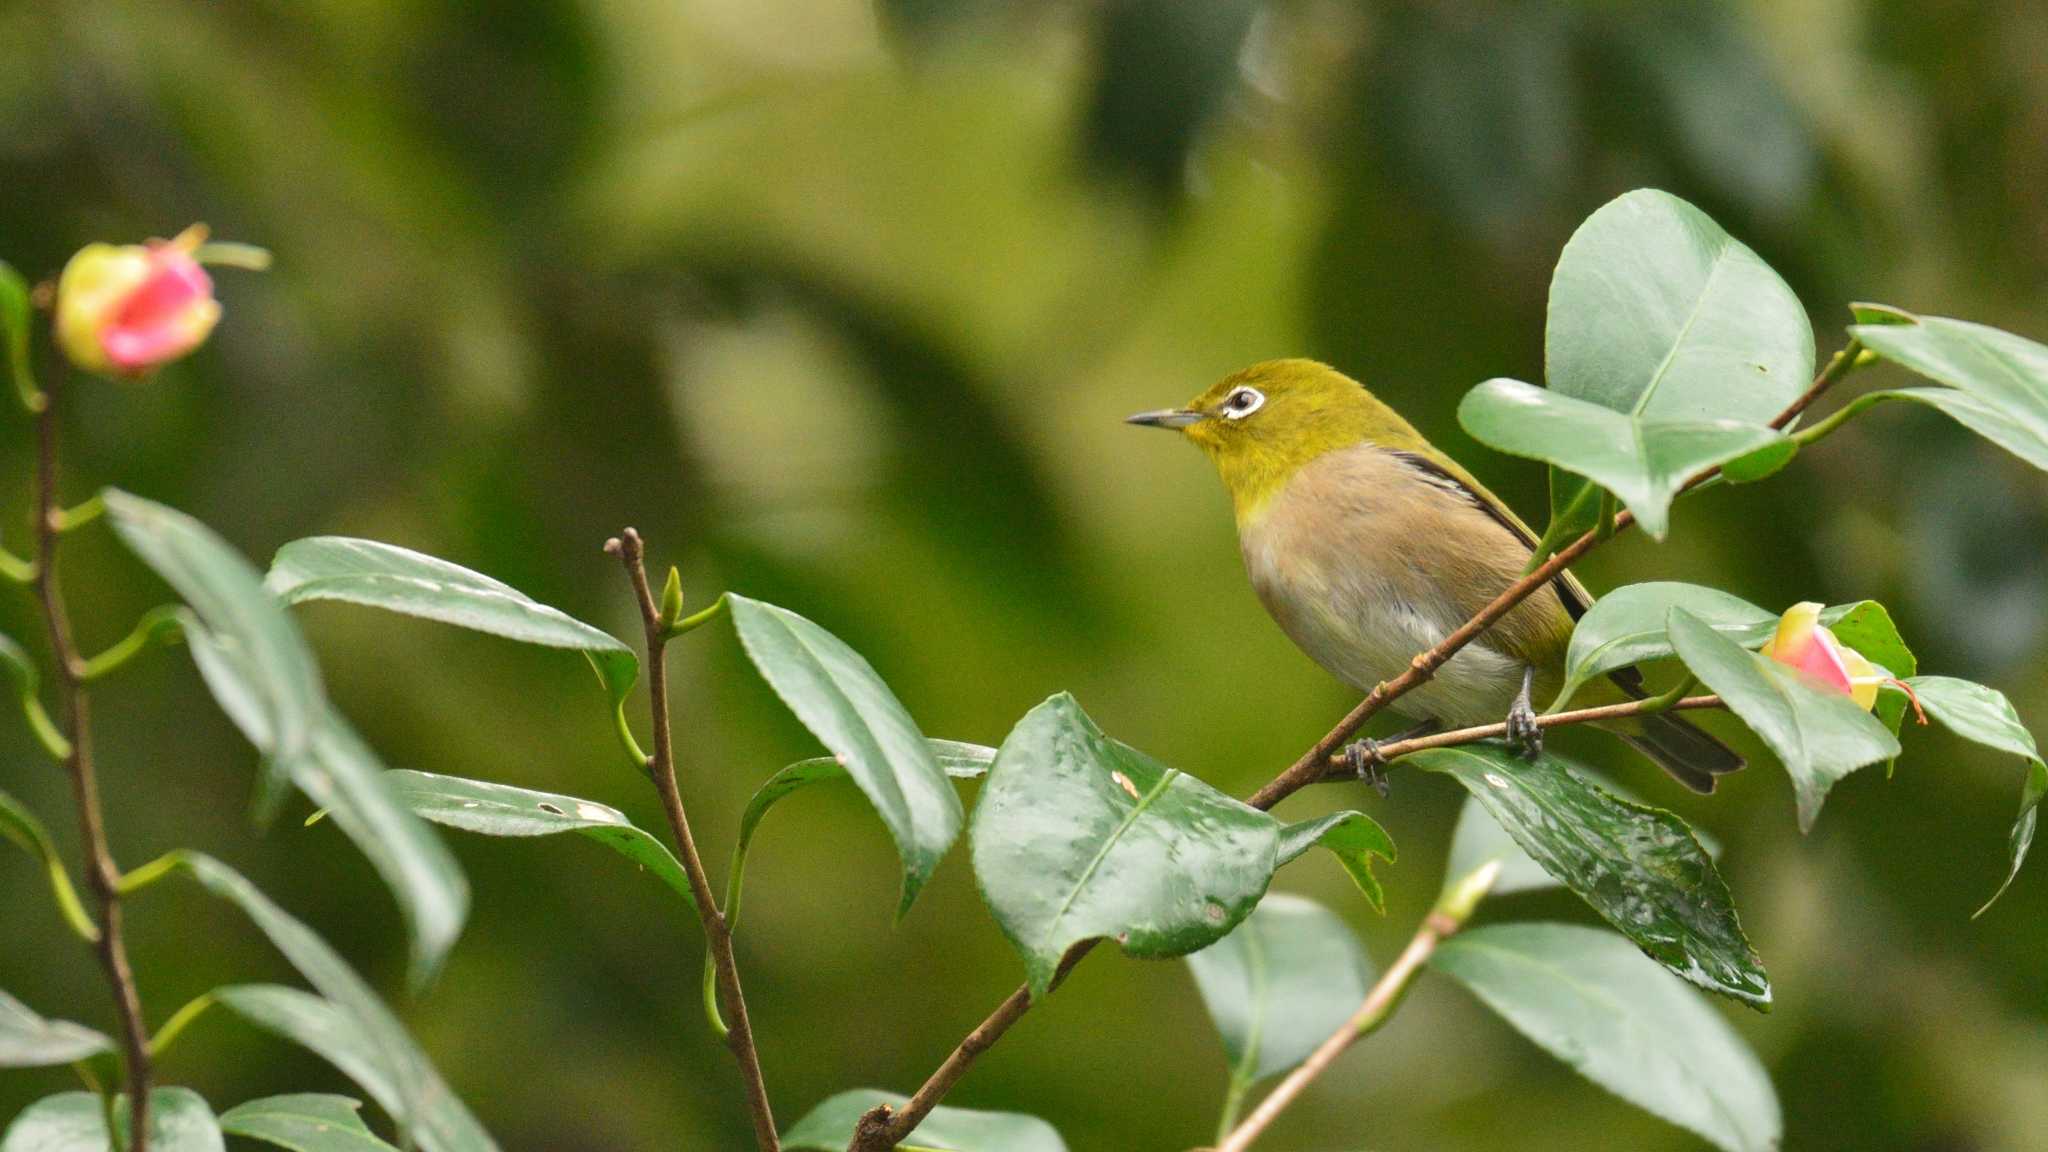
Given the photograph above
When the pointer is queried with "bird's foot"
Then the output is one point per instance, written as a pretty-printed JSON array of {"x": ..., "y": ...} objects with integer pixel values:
[
  {"x": 1524, "y": 734},
  {"x": 1364, "y": 760}
]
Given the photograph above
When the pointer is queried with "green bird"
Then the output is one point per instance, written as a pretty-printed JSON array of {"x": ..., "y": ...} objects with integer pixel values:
[{"x": 1368, "y": 545}]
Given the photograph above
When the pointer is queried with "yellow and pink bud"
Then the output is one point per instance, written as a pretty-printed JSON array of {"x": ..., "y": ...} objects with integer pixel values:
[
  {"x": 128, "y": 309},
  {"x": 1806, "y": 645}
]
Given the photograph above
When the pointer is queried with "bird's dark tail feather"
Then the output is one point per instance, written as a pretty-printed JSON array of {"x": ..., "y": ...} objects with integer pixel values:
[{"x": 1693, "y": 757}]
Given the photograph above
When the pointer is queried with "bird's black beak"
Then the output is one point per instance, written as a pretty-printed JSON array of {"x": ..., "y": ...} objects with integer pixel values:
[{"x": 1166, "y": 418}]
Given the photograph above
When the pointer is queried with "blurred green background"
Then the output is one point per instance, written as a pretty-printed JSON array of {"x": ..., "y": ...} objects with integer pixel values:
[{"x": 841, "y": 304}]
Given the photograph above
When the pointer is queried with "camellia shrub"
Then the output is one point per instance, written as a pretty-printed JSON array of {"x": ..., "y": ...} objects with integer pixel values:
[{"x": 1676, "y": 359}]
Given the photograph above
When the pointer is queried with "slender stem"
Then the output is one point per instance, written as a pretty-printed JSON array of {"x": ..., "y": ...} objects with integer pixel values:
[
  {"x": 1233, "y": 1102},
  {"x": 101, "y": 874},
  {"x": 884, "y": 1128},
  {"x": 662, "y": 767},
  {"x": 1441, "y": 924},
  {"x": 179, "y": 1021},
  {"x": 1339, "y": 769},
  {"x": 159, "y": 623}
]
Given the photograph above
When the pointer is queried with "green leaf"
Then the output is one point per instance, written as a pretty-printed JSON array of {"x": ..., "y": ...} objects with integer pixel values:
[
  {"x": 1077, "y": 836},
  {"x": 1280, "y": 984},
  {"x": 356, "y": 1023},
  {"x": 1820, "y": 736},
  {"x": 179, "y": 1121},
  {"x": 846, "y": 705},
  {"x": 1984, "y": 716},
  {"x": 1639, "y": 867},
  {"x": 1761, "y": 464},
  {"x": 1354, "y": 838},
  {"x": 15, "y": 332},
  {"x": 29, "y": 1041},
  {"x": 2000, "y": 380},
  {"x": 341, "y": 774},
  {"x": 829, "y": 1127},
  {"x": 414, "y": 584},
  {"x": 21, "y": 826},
  {"x": 502, "y": 810},
  {"x": 304, "y": 1122},
  {"x": 1643, "y": 460},
  {"x": 1590, "y": 999},
  {"x": 960, "y": 761},
  {"x": 1478, "y": 840},
  {"x": 1626, "y": 627}
]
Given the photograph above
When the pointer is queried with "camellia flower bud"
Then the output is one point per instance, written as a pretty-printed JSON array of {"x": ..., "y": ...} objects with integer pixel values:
[
  {"x": 125, "y": 310},
  {"x": 1804, "y": 643}
]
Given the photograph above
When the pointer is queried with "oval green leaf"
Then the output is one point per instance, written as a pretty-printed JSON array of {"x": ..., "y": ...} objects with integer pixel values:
[
  {"x": 404, "y": 1081},
  {"x": 29, "y": 1041},
  {"x": 1644, "y": 461},
  {"x": 1280, "y": 984},
  {"x": 1353, "y": 838},
  {"x": 412, "y": 583},
  {"x": 1077, "y": 836},
  {"x": 1592, "y": 1000},
  {"x": 829, "y": 1128},
  {"x": 839, "y": 697},
  {"x": 502, "y": 810},
  {"x": 1820, "y": 736},
  {"x": 2000, "y": 380},
  {"x": 1984, "y": 716},
  {"x": 179, "y": 1121},
  {"x": 1641, "y": 868},
  {"x": 304, "y": 1122},
  {"x": 1626, "y": 627}
]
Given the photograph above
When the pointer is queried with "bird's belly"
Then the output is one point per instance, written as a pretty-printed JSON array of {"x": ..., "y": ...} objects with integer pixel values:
[{"x": 1363, "y": 630}]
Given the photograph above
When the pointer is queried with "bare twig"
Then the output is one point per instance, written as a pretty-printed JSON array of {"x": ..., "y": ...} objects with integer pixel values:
[
  {"x": 661, "y": 765},
  {"x": 1338, "y": 766},
  {"x": 884, "y": 1128},
  {"x": 1441, "y": 924},
  {"x": 101, "y": 874}
]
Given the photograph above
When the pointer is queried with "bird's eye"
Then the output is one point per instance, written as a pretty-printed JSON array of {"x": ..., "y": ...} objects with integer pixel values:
[{"x": 1243, "y": 402}]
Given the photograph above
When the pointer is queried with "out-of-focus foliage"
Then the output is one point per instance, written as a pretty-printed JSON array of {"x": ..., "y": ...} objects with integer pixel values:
[{"x": 839, "y": 304}]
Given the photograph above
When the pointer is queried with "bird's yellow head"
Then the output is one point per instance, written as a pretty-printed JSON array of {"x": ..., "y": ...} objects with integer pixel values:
[{"x": 1261, "y": 425}]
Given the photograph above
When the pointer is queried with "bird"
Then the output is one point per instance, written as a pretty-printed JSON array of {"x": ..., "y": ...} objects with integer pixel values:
[{"x": 1369, "y": 545}]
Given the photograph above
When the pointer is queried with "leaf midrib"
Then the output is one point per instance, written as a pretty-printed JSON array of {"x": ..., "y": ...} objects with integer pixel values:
[
  {"x": 1691, "y": 317},
  {"x": 1110, "y": 842}
]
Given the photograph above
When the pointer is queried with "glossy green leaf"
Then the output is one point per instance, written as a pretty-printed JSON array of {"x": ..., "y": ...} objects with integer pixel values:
[
  {"x": 357, "y": 1022},
  {"x": 1592, "y": 1000},
  {"x": 1643, "y": 460},
  {"x": 1077, "y": 836},
  {"x": 2000, "y": 380},
  {"x": 829, "y": 1127},
  {"x": 1478, "y": 840},
  {"x": 1280, "y": 984},
  {"x": 1984, "y": 716},
  {"x": 341, "y": 774},
  {"x": 179, "y": 1121},
  {"x": 400, "y": 580},
  {"x": 21, "y": 826},
  {"x": 502, "y": 810},
  {"x": 1820, "y": 736},
  {"x": 29, "y": 1041},
  {"x": 321, "y": 1028},
  {"x": 1626, "y": 627},
  {"x": 960, "y": 761},
  {"x": 1354, "y": 838},
  {"x": 1639, "y": 867},
  {"x": 304, "y": 1122},
  {"x": 839, "y": 697}
]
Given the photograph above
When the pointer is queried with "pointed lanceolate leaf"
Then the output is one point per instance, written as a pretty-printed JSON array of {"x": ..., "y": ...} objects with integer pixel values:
[
  {"x": 2000, "y": 380},
  {"x": 1984, "y": 716},
  {"x": 502, "y": 810},
  {"x": 1077, "y": 836},
  {"x": 29, "y": 1041},
  {"x": 1592, "y": 1000},
  {"x": 400, "y": 580},
  {"x": 304, "y": 1122},
  {"x": 1820, "y": 736},
  {"x": 1644, "y": 461},
  {"x": 1354, "y": 838},
  {"x": 1280, "y": 984},
  {"x": 846, "y": 705},
  {"x": 252, "y": 657},
  {"x": 1641, "y": 868},
  {"x": 829, "y": 1128},
  {"x": 404, "y": 1081},
  {"x": 179, "y": 1121}
]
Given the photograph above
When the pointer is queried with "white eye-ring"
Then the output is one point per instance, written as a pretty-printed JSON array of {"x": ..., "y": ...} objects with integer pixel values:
[{"x": 1242, "y": 402}]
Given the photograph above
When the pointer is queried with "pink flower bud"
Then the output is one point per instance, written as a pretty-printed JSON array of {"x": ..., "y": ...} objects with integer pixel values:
[
  {"x": 125, "y": 310},
  {"x": 1804, "y": 644}
]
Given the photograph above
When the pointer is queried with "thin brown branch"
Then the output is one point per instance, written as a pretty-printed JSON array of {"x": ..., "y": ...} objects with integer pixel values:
[
  {"x": 1441, "y": 924},
  {"x": 661, "y": 765},
  {"x": 883, "y": 1129},
  {"x": 101, "y": 874},
  {"x": 1338, "y": 767}
]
